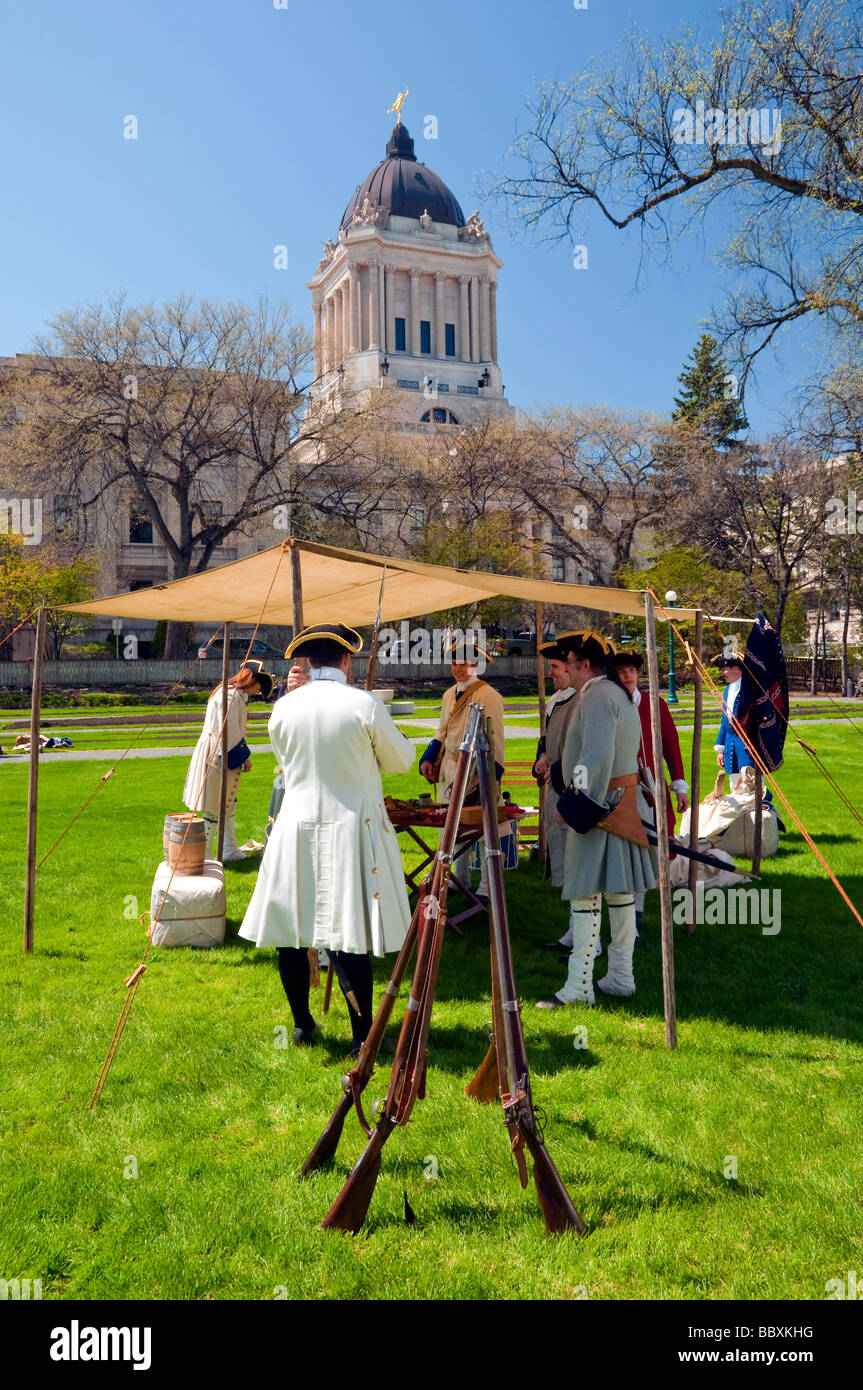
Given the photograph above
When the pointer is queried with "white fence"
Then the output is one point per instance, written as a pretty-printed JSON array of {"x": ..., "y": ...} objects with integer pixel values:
[{"x": 105, "y": 673}]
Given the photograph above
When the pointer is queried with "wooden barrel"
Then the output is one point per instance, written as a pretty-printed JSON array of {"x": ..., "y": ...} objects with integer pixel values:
[{"x": 185, "y": 842}]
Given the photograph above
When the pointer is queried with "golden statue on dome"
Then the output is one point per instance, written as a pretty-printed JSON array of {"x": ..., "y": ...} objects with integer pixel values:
[{"x": 397, "y": 106}]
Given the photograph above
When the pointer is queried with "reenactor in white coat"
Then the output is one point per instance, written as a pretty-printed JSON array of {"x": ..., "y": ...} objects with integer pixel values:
[
  {"x": 202, "y": 790},
  {"x": 331, "y": 876}
]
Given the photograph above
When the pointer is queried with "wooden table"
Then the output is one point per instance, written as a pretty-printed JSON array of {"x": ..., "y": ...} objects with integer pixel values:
[{"x": 411, "y": 820}]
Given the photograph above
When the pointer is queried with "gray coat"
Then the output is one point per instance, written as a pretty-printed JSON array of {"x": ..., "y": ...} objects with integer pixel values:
[
  {"x": 603, "y": 740},
  {"x": 557, "y": 726}
]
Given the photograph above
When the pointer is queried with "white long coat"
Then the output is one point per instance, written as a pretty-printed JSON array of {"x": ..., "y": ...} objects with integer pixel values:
[
  {"x": 202, "y": 790},
  {"x": 332, "y": 874}
]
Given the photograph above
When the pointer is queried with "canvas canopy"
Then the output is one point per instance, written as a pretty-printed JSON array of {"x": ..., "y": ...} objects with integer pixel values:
[{"x": 344, "y": 586}]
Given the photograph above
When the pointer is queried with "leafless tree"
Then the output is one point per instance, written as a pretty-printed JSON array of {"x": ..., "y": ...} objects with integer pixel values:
[
  {"x": 197, "y": 413},
  {"x": 764, "y": 118}
]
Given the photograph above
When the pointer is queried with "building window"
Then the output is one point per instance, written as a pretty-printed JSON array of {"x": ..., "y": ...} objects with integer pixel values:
[
  {"x": 417, "y": 518},
  {"x": 425, "y": 335},
  {"x": 558, "y": 571},
  {"x": 66, "y": 516},
  {"x": 210, "y": 511},
  {"x": 400, "y": 335},
  {"x": 468, "y": 391},
  {"x": 438, "y": 416},
  {"x": 140, "y": 525},
  {"x": 407, "y": 385},
  {"x": 449, "y": 330}
]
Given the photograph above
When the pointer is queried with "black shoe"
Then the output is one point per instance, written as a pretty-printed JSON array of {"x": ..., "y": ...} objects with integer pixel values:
[
  {"x": 563, "y": 959},
  {"x": 481, "y": 897},
  {"x": 552, "y": 1003},
  {"x": 304, "y": 1037},
  {"x": 554, "y": 946},
  {"x": 638, "y": 940}
]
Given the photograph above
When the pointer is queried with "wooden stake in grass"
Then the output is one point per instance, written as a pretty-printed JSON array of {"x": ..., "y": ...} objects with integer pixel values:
[
  {"x": 33, "y": 784},
  {"x": 223, "y": 779},
  {"x": 661, "y": 828}
]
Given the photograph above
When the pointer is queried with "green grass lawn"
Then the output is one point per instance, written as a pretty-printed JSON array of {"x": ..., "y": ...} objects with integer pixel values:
[{"x": 218, "y": 1118}]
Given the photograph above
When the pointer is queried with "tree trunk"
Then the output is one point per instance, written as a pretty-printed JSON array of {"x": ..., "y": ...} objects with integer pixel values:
[
  {"x": 846, "y": 622},
  {"x": 813, "y": 679},
  {"x": 175, "y": 641}
]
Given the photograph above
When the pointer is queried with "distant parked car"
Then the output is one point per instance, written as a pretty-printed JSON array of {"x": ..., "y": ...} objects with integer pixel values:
[{"x": 261, "y": 650}]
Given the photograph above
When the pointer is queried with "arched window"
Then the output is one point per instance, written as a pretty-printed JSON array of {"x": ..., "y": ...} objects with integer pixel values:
[{"x": 438, "y": 416}]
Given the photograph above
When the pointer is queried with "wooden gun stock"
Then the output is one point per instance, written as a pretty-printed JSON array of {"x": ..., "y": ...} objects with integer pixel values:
[
  {"x": 557, "y": 1206},
  {"x": 348, "y": 1211},
  {"x": 485, "y": 1086}
]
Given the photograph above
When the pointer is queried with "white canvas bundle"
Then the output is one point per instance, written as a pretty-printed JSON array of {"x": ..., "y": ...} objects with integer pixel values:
[
  {"x": 728, "y": 821},
  {"x": 191, "y": 912}
]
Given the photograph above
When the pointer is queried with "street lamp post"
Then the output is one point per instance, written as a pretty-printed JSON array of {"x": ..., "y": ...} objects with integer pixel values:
[{"x": 671, "y": 597}]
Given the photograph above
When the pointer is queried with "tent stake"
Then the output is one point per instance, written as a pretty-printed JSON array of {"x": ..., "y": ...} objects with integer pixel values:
[
  {"x": 661, "y": 829},
  {"x": 695, "y": 778},
  {"x": 33, "y": 784},
  {"x": 223, "y": 779}
]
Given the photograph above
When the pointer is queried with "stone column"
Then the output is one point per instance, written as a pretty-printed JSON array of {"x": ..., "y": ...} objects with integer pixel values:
[
  {"x": 440, "y": 314},
  {"x": 374, "y": 308},
  {"x": 464, "y": 319},
  {"x": 330, "y": 345},
  {"x": 485, "y": 318},
  {"x": 319, "y": 347},
  {"x": 391, "y": 308},
  {"x": 415, "y": 310},
  {"x": 382, "y": 329},
  {"x": 344, "y": 316},
  {"x": 474, "y": 318},
  {"x": 493, "y": 315},
  {"x": 354, "y": 324}
]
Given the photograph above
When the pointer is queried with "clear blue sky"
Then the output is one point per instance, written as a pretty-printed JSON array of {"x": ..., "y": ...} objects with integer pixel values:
[{"x": 256, "y": 124}]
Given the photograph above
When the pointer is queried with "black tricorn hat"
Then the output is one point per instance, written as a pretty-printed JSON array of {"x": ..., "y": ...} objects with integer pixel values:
[
  {"x": 563, "y": 644},
  {"x": 630, "y": 657},
  {"x": 264, "y": 679},
  {"x": 729, "y": 659},
  {"x": 305, "y": 642}
]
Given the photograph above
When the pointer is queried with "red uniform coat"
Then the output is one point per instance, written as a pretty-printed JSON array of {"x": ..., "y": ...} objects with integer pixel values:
[{"x": 670, "y": 749}]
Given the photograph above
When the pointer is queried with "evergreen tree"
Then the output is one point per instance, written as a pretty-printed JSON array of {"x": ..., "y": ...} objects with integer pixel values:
[{"x": 709, "y": 398}]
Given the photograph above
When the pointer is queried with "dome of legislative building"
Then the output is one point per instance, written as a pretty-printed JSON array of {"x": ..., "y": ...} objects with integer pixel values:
[{"x": 404, "y": 187}]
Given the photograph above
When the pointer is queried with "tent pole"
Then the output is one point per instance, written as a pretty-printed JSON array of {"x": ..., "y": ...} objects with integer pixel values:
[
  {"x": 223, "y": 779},
  {"x": 541, "y": 846},
  {"x": 297, "y": 624},
  {"x": 756, "y": 841},
  {"x": 33, "y": 784},
  {"x": 695, "y": 776},
  {"x": 661, "y": 829}
]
